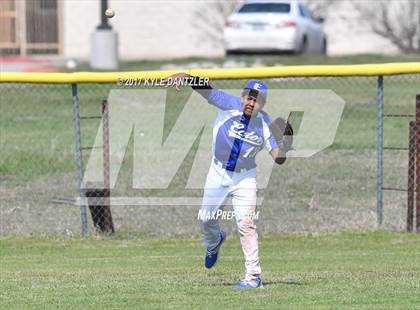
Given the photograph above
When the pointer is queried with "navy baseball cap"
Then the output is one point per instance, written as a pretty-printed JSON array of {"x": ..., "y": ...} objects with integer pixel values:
[{"x": 256, "y": 88}]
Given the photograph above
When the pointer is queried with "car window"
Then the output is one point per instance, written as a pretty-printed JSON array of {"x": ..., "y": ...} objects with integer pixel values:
[
  {"x": 301, "y": 11},
  {"x": 265, "y": 7},
  {"x": 307, "y": 12},
  {"x": 304, "y": 12}
]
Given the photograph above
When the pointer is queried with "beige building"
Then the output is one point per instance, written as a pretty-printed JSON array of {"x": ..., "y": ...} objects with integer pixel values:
[{"x": 147, "y": 29}]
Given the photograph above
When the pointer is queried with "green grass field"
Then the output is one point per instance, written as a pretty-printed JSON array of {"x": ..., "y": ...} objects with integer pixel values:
[
  {"x": 266, "y": 60},
  {"x": 155, "y": 260},
  {"x": 374, "y": 270}
]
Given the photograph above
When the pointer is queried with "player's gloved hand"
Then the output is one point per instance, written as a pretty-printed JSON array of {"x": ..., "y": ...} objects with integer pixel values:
[
  {"x": 281, "y": 158},
  {"x": 176, "y": 79},
  {"x": 282, "y": 131}
]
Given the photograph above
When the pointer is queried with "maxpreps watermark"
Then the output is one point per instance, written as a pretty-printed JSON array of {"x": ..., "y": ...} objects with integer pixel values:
[
  {"x": 205, "y": 215},
  {"x": 139, "y": 130},
  {"x": 162, "y": 82}
]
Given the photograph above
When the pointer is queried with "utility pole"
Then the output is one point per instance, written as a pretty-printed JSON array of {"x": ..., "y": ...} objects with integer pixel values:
[{"x": 104, "y": 43}]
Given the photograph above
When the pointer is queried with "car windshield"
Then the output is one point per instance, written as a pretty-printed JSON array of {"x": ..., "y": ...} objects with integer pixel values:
[{"x": 265, "y": 7}]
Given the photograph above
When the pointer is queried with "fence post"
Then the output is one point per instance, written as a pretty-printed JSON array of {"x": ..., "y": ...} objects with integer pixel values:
[
  {"x": 108, "y": 223},
  {"x": 79, "y": 162},
  {"x": 379, "y": 149},
  {"x": 417, "y": 161},
  {"x": 411, "y": 175}
]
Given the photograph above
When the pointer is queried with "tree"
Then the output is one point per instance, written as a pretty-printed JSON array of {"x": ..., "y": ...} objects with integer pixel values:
[
  {"x": 210, "y": 18},
  {"x": 395, "y": 20},
  {"x": 319, "y": 8}
]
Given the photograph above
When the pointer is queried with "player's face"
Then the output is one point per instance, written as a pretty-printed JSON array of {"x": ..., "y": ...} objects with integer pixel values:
[{"x": 251, "y": 105}]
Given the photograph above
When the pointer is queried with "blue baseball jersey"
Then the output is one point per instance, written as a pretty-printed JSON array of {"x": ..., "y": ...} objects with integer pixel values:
[{"x": 238, "y": 138}]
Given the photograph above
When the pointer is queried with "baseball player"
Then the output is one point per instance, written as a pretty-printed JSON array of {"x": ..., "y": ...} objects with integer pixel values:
[{"x": 241, "y": 130}]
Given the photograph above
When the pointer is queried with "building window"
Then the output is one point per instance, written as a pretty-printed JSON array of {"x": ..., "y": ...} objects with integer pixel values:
[{"x": 29, "y": 27}]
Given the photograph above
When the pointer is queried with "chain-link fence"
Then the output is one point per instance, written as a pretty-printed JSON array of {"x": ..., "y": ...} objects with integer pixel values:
[
  {"x": 335, "y": 189},
  {"x": 413, "y": 182}
]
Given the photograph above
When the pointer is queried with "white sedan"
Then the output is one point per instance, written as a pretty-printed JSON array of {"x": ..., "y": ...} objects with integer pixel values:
[{"x": 276, "y": 25}]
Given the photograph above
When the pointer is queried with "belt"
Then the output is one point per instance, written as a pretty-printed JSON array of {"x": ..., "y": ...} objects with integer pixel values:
[{"x": 224, "y": 166}]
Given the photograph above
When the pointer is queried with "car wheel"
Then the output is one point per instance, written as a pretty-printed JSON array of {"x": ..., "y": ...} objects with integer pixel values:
[
  {"x": 324, "y": 47},
  {"x": 303, "y": 47},
  {"x": 229, "y": 52}
]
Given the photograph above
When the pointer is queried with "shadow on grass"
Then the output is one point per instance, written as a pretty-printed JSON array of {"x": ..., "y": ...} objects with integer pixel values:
[{"x": 273, "y": 282}]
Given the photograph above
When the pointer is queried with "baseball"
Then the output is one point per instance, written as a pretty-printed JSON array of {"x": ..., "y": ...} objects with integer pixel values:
[{"x": 109, "y": 13}]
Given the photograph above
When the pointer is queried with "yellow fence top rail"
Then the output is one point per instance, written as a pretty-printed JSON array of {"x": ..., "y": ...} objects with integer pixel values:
[{"x": 234, "y": 73}]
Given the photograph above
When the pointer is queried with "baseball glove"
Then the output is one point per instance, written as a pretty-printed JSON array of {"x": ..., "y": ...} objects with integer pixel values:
[{"x": 282, "y": 131}]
